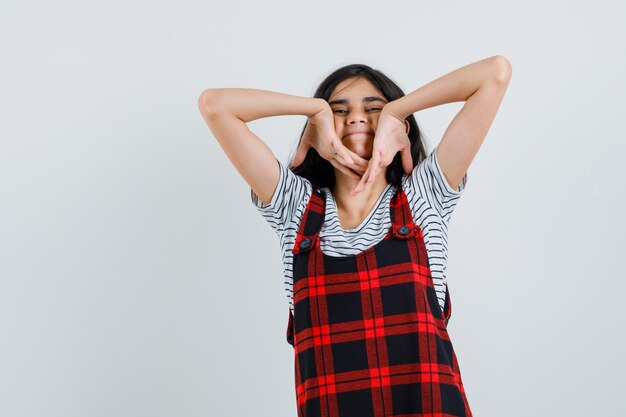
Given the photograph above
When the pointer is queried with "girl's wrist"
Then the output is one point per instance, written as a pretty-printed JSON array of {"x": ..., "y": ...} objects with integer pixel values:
[
  {"x": 393, "y": 110},
  {"x": 317, "y": 105}
]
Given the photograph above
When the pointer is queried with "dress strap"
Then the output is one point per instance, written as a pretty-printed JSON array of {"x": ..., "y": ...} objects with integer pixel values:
[
  {"x": 311, "y": 224},
  {"x": 402, "y": 224}
]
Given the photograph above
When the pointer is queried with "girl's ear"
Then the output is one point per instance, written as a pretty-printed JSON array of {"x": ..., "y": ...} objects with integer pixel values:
[{"x": 408, "y": 126}]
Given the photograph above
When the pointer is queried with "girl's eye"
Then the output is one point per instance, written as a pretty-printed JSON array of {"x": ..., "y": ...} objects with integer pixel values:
[{"x": 372, "y": 108}]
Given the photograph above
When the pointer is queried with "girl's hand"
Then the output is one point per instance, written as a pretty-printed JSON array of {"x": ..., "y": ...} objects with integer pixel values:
[
  {"x": 390, "y": 137},
  {"x": 320, "y": 134}
]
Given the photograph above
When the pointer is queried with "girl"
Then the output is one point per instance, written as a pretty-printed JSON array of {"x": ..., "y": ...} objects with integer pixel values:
[{"x": 362, "y": 214}]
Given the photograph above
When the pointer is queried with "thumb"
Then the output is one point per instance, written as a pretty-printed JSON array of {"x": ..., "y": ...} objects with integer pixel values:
[
  {"x": 300, "y": 154},
  {"x": 407, "y": 161}
]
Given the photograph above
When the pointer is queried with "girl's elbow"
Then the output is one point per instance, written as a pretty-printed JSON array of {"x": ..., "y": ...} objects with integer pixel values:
[
  {"x": 505, "y": 69},
  {"x": 207, "y": 101}
]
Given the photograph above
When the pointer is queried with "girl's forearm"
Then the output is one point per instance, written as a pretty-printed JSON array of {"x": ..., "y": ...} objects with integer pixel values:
[
  {"x": 457, "y": 85},
  {"x": 250, "y": 104}
]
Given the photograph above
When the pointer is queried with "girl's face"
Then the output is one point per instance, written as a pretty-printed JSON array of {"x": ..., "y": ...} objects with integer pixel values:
[{"x": 356, "y": 106}]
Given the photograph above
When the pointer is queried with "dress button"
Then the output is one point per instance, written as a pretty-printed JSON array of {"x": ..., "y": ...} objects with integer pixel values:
[
  {"x": 404, "y": 230},
  {"x": 305, "y": 244}
]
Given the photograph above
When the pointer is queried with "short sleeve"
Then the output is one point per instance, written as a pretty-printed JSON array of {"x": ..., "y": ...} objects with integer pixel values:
[
  {"x": 292, "y": 191},
  {"x": 428, "y": 179}
]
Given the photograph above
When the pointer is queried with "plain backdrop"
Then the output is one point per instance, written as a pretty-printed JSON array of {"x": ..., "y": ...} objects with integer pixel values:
[{"x": 137, "y": 278}]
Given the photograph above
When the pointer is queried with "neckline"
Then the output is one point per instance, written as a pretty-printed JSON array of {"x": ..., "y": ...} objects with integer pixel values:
[{"x": 367, "y": 218}]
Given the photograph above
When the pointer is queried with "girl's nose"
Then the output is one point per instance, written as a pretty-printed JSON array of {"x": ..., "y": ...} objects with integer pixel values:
[{"x": 357, "y": 117}]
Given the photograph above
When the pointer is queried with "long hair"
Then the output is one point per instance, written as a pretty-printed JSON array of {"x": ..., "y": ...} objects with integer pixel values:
[{"x": 321, "y": 172}]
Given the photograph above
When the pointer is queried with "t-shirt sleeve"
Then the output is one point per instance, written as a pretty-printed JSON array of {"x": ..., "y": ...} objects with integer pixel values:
[
  {"x": 428, "y": 180},
  {"x": 291, "y": 192}
]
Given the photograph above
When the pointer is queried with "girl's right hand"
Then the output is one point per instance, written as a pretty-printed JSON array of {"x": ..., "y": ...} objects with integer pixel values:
[{"x": 320, "y": 134}]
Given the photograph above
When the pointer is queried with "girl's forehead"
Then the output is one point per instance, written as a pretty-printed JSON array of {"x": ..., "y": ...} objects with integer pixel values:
[
  {"x": 356, "y": 90},
  {"x": 352, "y": 84}
]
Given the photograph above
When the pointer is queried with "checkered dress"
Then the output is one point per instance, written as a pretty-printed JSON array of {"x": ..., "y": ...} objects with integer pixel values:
[{"x": 369, "y": 336}]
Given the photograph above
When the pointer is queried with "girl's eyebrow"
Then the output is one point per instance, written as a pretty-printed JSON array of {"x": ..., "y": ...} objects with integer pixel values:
[{"x": 365, "y": 100}]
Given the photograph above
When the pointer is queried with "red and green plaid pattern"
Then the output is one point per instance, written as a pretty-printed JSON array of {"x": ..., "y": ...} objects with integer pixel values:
[{"x": 369, "y": 336}]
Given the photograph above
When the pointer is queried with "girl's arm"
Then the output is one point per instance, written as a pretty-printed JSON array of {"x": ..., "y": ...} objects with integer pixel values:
[
  {"x": 481, "y": 85},
  {"x": 226, "y": 112}
]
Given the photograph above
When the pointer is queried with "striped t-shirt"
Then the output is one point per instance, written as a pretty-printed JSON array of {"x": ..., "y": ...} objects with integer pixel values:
[{"x": 430, "y": 197}]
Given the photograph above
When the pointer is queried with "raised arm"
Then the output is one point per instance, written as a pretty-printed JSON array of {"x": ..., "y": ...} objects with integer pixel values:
[
  {"x": 481, "y": 85},
  {"x": 226, "y": 112}
]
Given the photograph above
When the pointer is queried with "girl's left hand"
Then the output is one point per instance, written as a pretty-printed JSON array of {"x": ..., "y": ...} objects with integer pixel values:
[{"x": 390, "y": 138}]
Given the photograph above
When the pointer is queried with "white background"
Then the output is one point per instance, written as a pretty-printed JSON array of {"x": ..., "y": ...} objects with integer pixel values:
[{"x": 137, "y": 278}]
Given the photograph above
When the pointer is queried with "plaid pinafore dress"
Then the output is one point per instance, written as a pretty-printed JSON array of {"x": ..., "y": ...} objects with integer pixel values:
[{"x": 369, "y": 335}]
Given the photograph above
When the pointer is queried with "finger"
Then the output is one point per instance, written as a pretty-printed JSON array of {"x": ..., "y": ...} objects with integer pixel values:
[
  {"x": 358, "y": 168},
  {"x": 342, "y": 151},
  {"x": 345, "y": 169},
  {"x": 300, "y": 154},
  {"x": 361, "y": 184},
  {"x": 339, "y": 158},
  {"x": 407, "y": 160},
  {"x": 375, "y": 163},
  {"x": 356, "y": 159}
]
